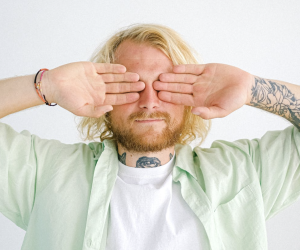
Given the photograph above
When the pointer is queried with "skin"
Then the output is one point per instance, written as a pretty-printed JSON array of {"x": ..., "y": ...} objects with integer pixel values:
[
  {"x": 213, "y": 90},
  {"x": 151, "y": 83},
  {"x": 95, "y": 87},
  {"x": 277, "y": 97},
  {"x": 149, "y": 63}
]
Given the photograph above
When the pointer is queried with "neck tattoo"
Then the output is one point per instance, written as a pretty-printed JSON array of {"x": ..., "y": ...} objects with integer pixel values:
[
  {"x": 148, "y": 162},
  {"x": 122, "y": 158},
  {"x": 144, "y": 161}
]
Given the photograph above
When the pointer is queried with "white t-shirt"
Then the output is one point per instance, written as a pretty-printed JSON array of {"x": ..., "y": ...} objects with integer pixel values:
[{"x": 148, "y": 212}]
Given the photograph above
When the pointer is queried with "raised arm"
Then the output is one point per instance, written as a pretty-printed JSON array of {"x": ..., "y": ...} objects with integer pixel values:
[
  {"x": 18, "y": 93},
  {"x": 83, "y": 88},
  {"x": 280, "y": 98},
  {"x": 215, "y": 90}
]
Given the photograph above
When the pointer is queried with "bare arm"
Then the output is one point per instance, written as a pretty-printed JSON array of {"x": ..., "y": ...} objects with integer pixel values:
[
  {"x": 83, "y": 88},
  {"x": 278, "y": 97},
  {"x": 216, "y": 90},
  {"x": 18, "y": 93}
]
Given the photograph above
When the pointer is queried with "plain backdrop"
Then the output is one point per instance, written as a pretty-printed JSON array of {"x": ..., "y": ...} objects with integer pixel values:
[{"x": 258, "y": 36}]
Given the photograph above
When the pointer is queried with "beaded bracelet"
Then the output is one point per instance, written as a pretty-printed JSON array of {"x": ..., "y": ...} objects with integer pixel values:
[{"x": 38, "y": 87}]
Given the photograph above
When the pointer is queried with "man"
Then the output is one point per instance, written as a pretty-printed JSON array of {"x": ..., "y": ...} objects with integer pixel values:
[{"x": 142, "y": 188}]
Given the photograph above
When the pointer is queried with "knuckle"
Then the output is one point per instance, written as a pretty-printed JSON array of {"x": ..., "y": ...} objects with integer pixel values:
[
  {"x": 133, "y": 87},
  {"x": 117, "y": 88},
  {"x": 109, "y": 78},
  {"x": 124, "y": 87},
  {"x": 113, "y": 77}
]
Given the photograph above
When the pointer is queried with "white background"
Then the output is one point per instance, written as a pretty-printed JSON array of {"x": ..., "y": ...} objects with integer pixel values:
[{"x": 259, "y": 36}]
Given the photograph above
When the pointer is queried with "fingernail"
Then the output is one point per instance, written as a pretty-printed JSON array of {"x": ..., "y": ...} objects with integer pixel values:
[{"x": 196, "y": 112}]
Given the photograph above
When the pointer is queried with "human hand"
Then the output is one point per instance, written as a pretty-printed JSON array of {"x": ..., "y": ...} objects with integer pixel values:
[
  {"x": 90, "y": 89},
  {"x": 213, "y": 90}
]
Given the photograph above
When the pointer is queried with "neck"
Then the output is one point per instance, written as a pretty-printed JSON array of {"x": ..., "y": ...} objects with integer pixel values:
[{"x": 145, "y": 160}]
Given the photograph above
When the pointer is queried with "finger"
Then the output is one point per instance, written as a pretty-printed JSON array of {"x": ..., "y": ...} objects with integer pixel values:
[
  {"x": 195, "y": 69},
  {"x": 102, "y": 68},
  {"x": 210, "y": 112},
  {"x": 173, "y": 87},
  {"x": 176, "y": 98},
  {"x": 91, "y": 111},
  {"x": 126, "y": 77},
  {"x": 171, "y": 77},
  {"x": 124, "y": 87},
  {"x": 120, "y": 99}
]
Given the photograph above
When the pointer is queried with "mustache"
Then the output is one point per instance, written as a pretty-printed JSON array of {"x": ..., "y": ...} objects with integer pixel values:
[{"x": 144, "y": 115}]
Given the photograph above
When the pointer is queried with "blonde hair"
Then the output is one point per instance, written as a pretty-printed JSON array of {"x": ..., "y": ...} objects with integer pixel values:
[{"x": 175, "y": 48}]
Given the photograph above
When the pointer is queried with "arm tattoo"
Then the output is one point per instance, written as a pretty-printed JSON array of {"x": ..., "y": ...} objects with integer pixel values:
[
  {"x": 276, "y": 98},
  {"x": 148, "y": 162},
  {"x": 122, "y": 158},
  {"x": 171, "y": 156}
]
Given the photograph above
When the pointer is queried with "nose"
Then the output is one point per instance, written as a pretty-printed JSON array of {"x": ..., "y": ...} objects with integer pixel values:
[{"x": 148, "y": 98}]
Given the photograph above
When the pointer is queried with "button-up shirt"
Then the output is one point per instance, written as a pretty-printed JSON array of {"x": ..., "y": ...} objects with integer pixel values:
[{"x": 60, "y": 193}]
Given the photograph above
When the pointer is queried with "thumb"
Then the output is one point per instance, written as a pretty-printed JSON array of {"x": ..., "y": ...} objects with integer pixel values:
[
  {"x": 209, "y": 112},
  {"x": 101, "y": 110},
  {"x": 96, "y": 112}
]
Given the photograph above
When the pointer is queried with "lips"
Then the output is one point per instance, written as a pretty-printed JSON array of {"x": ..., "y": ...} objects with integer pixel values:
[
  {"x": 150, "y": 120},
  {"x": 144, "y": 117}
]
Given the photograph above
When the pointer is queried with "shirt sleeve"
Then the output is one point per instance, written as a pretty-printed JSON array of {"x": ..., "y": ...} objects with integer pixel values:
[
  {"x": 276, "y": 160},
  {"x": 21, "y": 154}
]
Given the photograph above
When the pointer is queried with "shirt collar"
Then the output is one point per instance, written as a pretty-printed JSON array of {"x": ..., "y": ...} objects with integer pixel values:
[{"x": 185, "y": 159}]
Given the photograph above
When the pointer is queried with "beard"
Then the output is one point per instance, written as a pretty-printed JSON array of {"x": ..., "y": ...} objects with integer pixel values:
[{"x": 149, "y": 140}]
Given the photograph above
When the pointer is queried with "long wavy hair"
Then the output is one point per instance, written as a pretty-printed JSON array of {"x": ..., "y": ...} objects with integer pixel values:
[{"x": 175, "y": 48}]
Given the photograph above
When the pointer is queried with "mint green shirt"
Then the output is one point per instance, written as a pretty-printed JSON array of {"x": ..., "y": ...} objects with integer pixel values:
[{"x": 60, "y": 193}]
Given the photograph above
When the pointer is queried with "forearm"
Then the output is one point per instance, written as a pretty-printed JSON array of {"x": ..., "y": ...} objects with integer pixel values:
[
  {"x": 18, "y": 93},
  {"x": 278, "y": 97}
]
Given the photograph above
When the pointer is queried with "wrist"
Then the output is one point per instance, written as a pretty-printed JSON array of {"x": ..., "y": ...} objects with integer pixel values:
[
  {"x": 251, "y": 84},
  {"x": 47, "y": 87}
]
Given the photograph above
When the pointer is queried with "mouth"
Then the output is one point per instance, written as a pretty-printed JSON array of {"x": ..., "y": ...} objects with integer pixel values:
[{"x": 148, "y": 120}]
